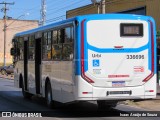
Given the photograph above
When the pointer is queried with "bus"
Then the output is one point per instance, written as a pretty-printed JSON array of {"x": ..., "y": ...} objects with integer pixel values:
[{"x": 101, "y": 57}]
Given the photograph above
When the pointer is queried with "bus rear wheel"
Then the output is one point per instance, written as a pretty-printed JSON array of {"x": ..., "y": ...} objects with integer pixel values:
[
  {"x": 103, "y": 104},
  {"x": 49, "y": 100}
]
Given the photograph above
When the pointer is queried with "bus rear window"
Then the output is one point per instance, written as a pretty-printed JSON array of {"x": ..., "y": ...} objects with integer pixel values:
[{"x": 131, "y": 29}]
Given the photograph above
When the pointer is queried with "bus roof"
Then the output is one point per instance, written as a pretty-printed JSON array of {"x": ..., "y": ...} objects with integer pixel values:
[
  {"x": 49, "y": 26},
  {"x": 101, "y": 16}
]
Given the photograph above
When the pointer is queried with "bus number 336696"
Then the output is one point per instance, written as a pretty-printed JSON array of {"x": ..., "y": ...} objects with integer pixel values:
[{"x": 135, "y": 56}]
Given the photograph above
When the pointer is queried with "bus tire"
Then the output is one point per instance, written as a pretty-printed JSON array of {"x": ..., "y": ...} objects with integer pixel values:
[
  {"x": 26, "y": 95},
  {"x": 103, "y": 104},
  {"x": 49, "y": 100}
]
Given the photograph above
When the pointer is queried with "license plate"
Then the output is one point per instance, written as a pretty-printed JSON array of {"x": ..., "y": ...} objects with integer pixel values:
[
  {"x": 119, "y": 92},
  {"x": 118, "y": 83}
]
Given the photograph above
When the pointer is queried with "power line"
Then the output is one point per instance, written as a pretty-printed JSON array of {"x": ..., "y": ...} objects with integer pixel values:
[
  {"x": 24, "y": 26},
  {"x": 55, "y": 3},
  {"x": 47, "y": 21},
  {"x": 55, "y": 19},
  {"x": 57, "y": 11},
  {"x": 62, "y": 5}
]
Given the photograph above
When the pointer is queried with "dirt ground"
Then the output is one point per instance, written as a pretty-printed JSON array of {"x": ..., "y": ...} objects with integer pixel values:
[{"x": 151, "y": 105}]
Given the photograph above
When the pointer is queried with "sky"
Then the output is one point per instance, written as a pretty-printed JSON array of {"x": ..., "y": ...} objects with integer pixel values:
[{"x": 30, "y": 9}]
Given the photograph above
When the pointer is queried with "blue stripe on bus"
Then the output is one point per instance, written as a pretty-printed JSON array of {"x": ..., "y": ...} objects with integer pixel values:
[
  {"x": 112, "y": 50},
  {"x": 150, "y": 47}
]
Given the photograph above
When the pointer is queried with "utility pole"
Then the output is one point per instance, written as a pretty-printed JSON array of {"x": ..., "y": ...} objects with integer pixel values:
[
  {"x": 43, "y": 12},
  {"x": 103, "y": 4},
  {"x": 5, "y": 27}
]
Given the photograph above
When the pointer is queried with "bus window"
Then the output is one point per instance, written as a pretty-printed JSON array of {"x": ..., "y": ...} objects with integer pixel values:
[
  {"x": 47, "y": 46},
  {"x": 15, "y": 45},
  {"x": 31, "y": 48},
  {"x": 57, "y": 45},
  {"x": 21, "y": 48},
  {"x": 54, "y": 39},
  {"x": 68, "y": 44},
  {"x": 67, "y": 38},
  {"x": 59, "y": 36},
  {"x": 44, "y": 49},
  {"x": 62, "y": 36},
  {"x": 56, "y": 51}
]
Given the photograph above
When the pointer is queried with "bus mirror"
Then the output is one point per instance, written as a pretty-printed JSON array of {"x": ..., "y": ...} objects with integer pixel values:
[
  {"x": 13, "y": 40},
  {"x": 15, "y": 51},
  {"x": 12, "y": 51}
]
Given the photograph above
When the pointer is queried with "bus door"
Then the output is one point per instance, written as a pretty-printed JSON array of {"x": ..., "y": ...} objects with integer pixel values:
[
  {"x": 26, "y": 64},
  {"x": 38, "y": 64}
]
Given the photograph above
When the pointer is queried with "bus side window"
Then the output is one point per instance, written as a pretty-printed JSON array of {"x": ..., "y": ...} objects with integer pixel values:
[
  {"x": 31, "y": 48},
  {"x": 18, "y": 50},
  {"x": 21, "y": 48},
  {"x": 56, "y": 45},
  {"x": 62, "y": 36},
  {"x": 49, "y": 46},
  {"x": 15, "y": 45},
  {"x": 46, "y": 46},
  {"x": 68, "y": 44},
  {"x": 54, "y": 41}
]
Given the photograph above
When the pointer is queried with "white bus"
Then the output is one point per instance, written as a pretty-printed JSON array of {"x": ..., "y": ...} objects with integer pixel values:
[{"x": 105, "y": 58}]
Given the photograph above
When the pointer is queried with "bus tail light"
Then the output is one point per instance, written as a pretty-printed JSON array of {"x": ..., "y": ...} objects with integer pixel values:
[
  {"x": 87, "y": 92},
  {"x": 82, "y": 55},
  {"x": 149, "y": 91},
  {"x": 152, "y": 53}
]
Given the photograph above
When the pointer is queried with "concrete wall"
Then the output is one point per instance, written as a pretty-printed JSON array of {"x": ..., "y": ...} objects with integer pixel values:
[{"x": 14, "y": 26}]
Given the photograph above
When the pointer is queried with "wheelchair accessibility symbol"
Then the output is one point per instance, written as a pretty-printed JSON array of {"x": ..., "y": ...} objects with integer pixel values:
[{"x": 96, "y": 63}]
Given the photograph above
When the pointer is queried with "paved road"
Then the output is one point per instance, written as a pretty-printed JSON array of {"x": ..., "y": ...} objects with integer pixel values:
[{"x": 11, "y": 99}]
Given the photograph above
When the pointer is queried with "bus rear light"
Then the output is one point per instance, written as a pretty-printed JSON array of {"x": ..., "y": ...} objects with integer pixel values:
[
  {"x": 82, "y": 55},
  {"x": 86, "y": 92},
  {"x": 152, "y": 53},
  {"x": 149, "y": 91}
]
